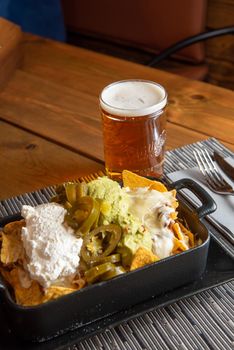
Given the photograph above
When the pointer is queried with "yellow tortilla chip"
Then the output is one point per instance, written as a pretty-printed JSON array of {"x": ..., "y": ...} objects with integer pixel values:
[
  {"x": 173, "y": 215},
  {"x": 25, "y": 296},
  {"x": 142, "y": 257},
  {"x": 79, "y": 283},
  {"x": 177, "y": 231},
  {"x": 179, "y": 246},
  {"x": 13, "y": 226},
  {"x": 134, "y": 181},
  {"x": 6, "y": 274},
  {"x": 12, "y": 247},
  {"x": 175, "y": 203},
  {"x": 189, "y": 234},
  {"x": 173, "y": 193},
  {"x": 54, "y": 292},
  {"x": 158, "y": 186}
]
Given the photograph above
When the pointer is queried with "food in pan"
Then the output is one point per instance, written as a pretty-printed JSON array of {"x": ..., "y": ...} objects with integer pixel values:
[{"x": 90, "y": 232}]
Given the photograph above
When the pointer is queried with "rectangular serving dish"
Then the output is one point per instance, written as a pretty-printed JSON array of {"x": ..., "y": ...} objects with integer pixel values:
[
  {"x": 219, "y": 270},
  {"x": 104, "y": 299}
]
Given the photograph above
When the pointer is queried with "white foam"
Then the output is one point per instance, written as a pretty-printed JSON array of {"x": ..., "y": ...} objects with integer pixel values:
[{"x": 133, "y": 98}]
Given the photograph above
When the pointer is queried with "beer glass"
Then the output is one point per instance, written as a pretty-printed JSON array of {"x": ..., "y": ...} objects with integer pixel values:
[{"x": 134, "y": 127}]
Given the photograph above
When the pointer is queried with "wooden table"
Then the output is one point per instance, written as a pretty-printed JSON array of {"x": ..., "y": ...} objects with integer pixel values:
[{"x": 50, "y": 129}]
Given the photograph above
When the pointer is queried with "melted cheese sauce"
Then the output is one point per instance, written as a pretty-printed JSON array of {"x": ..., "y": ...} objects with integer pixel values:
[{"x": 153, "y": 209}]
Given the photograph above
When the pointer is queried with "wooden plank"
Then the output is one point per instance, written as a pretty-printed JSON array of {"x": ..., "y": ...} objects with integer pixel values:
[
  {"x": 198, "y": 106},
  {"x": 76, "y": 65},
  {"x": 55, "y": 95},
  {"x": 224, "y": 76},
  {"x": 57, "y": 113},
  {"x": 29, "y": 162},
  {"x": 83, "y": 69},
  {"x": 219, "y": 51},
  {"x": 220, "y": 13},
  {"x": 67, "y": 128},
  {"x": 208, "y": 110},
  {"x": 221, "y": 48},
  {"x": 178, "y": 136},
  {"x": 71, "y": 118},
  {"x": 88, "y": 71},
  {"x": 10, "y": 50}
]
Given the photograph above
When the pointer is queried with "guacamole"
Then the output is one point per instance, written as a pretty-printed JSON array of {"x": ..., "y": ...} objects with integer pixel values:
[{"x": 115, "y": 209}]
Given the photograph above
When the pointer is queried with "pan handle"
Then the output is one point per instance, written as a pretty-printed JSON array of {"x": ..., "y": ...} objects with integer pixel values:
[{"x": 208, "y": 204}]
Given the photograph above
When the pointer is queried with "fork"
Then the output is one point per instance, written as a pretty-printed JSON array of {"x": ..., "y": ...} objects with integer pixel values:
[{"x": 214, "y": 179}]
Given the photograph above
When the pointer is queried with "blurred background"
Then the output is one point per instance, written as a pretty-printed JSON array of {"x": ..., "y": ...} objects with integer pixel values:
[{"x": 140, "y": 31}]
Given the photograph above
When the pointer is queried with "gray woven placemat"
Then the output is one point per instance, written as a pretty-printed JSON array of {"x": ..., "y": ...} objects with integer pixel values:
[{"x": 203, "y": 321}]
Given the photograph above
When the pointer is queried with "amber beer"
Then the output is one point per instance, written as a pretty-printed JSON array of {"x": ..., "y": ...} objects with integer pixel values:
[{"x": 134, "y": 125}]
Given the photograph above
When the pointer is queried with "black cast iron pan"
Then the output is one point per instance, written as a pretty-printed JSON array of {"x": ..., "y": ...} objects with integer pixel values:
[{"x": 94, "y": 302}]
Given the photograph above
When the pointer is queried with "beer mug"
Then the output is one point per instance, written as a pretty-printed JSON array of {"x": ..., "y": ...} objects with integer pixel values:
[{"x": 134, "y": 127}]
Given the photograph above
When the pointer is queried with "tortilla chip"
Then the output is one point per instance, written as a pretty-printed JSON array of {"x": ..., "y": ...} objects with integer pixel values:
[
  {"x": 142, "y": 257},
  {"x": 177, "y": 231},
  {"x": 173, "y": 215},
  {"x": 79, "y": 283},
  {"x": 175, "y": 203},
  {"x": 179, "y": 246},
  {"x": 13, "y": 226},
  {"x": 173, "y": 192},
  {"x": 134, "y": 181},
  {"x": 54, "y": 292},
  {"x": 5, "y": 274},
  {"x": 25, "y": 296},
  {"x": 158, "y": 186},
  {"x": 189, "y": 234},
  {"x": 12, "y": 247}
]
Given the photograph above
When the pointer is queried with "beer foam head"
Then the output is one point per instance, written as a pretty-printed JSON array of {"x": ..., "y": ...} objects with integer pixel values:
[{"x": 133, "y": 98}]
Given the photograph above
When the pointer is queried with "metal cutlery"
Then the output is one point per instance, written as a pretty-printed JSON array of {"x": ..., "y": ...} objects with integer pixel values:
[
  {"x": 227, "y": 168},
  {"x": 213, "y": 177}
]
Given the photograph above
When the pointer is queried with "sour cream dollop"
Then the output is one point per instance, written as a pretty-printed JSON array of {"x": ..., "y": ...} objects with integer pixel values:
[{"x": 51, "y": 247}]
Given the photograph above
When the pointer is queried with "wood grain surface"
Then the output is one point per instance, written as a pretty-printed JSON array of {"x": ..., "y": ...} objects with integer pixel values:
[
  {"x": 10, "y": 49},
  {"x": 220, "y": 50},
  {"x": 29, "y": 162},
  {"x": 60, "y": 82},
  {"x": 52, "y": 102}
]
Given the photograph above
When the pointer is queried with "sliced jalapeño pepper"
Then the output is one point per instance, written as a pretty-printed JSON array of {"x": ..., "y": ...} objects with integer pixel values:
[
  {"x": 95, "y": 273},
  {"x": 70, "y": 189},
  {"x": 92, "y": 206},
  {"x": 83, "y": 214},
  {"x": 116, "y": 271},
  {"x": 100, "y": 242},
  {"x": 114, "y": 258},
  {"x": 70, "y": 192},
  {"x": 81, "y": 189}
]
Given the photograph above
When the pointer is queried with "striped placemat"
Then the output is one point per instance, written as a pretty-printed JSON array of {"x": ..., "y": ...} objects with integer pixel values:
[
  {"x": 203, "y": 321},
  {"x": 183, "y": 158}
]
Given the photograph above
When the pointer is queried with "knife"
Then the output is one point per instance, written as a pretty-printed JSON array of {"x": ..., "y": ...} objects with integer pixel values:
[{"x": 224, "y": 165}]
